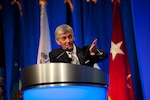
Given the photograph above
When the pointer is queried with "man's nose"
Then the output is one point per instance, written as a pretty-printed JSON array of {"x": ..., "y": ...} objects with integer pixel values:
[{"x": 67, "y": 40}]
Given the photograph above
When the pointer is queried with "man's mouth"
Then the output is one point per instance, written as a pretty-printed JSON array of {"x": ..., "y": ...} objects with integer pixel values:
[{"x": 69, "y": 47}]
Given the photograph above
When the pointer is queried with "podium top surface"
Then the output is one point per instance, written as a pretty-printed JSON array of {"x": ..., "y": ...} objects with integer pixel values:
[{"x": 52, "y": 74}]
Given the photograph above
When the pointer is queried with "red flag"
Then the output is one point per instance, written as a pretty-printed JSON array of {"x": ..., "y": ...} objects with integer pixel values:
[{"x": 120, "y": 87}]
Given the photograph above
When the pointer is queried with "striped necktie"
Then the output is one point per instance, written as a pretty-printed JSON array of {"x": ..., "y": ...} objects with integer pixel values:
[{"x": 74, "y": 58}]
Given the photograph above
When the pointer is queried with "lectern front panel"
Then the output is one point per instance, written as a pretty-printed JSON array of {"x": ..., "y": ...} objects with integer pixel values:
[{"x": 66, "y": 93}]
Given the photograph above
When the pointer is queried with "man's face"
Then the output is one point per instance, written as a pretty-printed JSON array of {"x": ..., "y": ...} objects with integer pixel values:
[{"x": 66, "y": 40}]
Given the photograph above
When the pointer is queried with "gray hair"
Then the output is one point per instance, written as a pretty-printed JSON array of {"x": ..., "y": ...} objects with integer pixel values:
[{"x": 61, "y": 29}]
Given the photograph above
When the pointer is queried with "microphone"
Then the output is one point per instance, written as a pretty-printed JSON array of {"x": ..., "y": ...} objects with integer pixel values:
[
  {"x": 87, "y": 61},
  {"x": 47, "y": 61},
  {"x": 60, "y": 55}
]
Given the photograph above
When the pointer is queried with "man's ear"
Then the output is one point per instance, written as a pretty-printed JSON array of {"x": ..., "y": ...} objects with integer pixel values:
[{"x": 57, "y": 41}]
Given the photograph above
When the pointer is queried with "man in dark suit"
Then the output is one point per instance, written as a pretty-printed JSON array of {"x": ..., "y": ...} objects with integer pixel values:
[{"x": 70, "y": 53}]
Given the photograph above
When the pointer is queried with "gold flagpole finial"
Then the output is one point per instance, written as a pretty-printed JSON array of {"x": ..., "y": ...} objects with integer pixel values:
[
  {"x": 116, "y": 1},
  {"x": 95, "y": 1},
  {"x": 70, "y": 4},
  {"x": 42, "y": 2},
  {"x": 18, "y": 4}
]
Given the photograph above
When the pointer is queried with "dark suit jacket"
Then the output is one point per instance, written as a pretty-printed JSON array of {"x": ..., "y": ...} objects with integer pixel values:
[{"x": 60, "y": 55}]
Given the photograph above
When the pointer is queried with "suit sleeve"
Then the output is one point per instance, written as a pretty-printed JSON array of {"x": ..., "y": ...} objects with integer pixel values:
[
  {"x": 99, "y": 56},
  {"x": 52, "y": 57}
]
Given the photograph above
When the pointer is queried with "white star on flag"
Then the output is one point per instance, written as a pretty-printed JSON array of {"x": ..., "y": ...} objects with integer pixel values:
[{"x": 115, "y": 49}]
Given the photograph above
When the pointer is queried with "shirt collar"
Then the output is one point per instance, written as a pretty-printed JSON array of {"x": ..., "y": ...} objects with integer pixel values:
[{"x": 74, "y": 49}]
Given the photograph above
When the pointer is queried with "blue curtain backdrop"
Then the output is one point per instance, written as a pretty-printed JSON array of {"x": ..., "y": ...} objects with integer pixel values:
[{"x": 21, "y": 28}]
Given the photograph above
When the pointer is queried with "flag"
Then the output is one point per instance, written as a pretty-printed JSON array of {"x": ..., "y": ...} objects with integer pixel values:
[
  {"x": 44, "y": 42},
  {"x": 15, "y": 92},
  {"x": 120, "y": 87},
  {"x": 15, "y": 75}
]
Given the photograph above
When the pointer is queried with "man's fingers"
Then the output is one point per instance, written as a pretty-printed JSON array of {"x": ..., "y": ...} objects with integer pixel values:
[
  {"x": 94, "y": 42},
  {"x": 93, "y": 47}
]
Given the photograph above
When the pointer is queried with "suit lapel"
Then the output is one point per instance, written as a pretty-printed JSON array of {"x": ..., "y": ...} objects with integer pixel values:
[{"x": 80, "y": 55}]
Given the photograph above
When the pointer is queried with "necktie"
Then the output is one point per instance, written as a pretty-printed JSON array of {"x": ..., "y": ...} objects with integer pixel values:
[{"x": 74, "y": 58}]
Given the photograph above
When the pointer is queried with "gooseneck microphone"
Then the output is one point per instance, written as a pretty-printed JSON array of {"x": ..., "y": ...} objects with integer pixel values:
[
  {"x": 60, "y": 55},
  {"x": 56, "y": 58},
  {"x": 47, "y": 61}
]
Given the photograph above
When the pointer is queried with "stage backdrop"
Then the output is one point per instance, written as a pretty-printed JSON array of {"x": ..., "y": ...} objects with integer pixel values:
[
  {"x": 141, "y": 20},
  {"x": 90, "y": 19}
]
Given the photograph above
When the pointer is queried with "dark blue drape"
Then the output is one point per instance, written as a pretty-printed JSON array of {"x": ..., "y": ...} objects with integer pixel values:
[
  {"x": 21, "y": 28},
  {"x": 127, "y": 19}
]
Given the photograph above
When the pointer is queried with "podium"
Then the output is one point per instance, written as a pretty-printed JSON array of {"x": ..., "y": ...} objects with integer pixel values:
[{"x": 64, "y": 81}]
